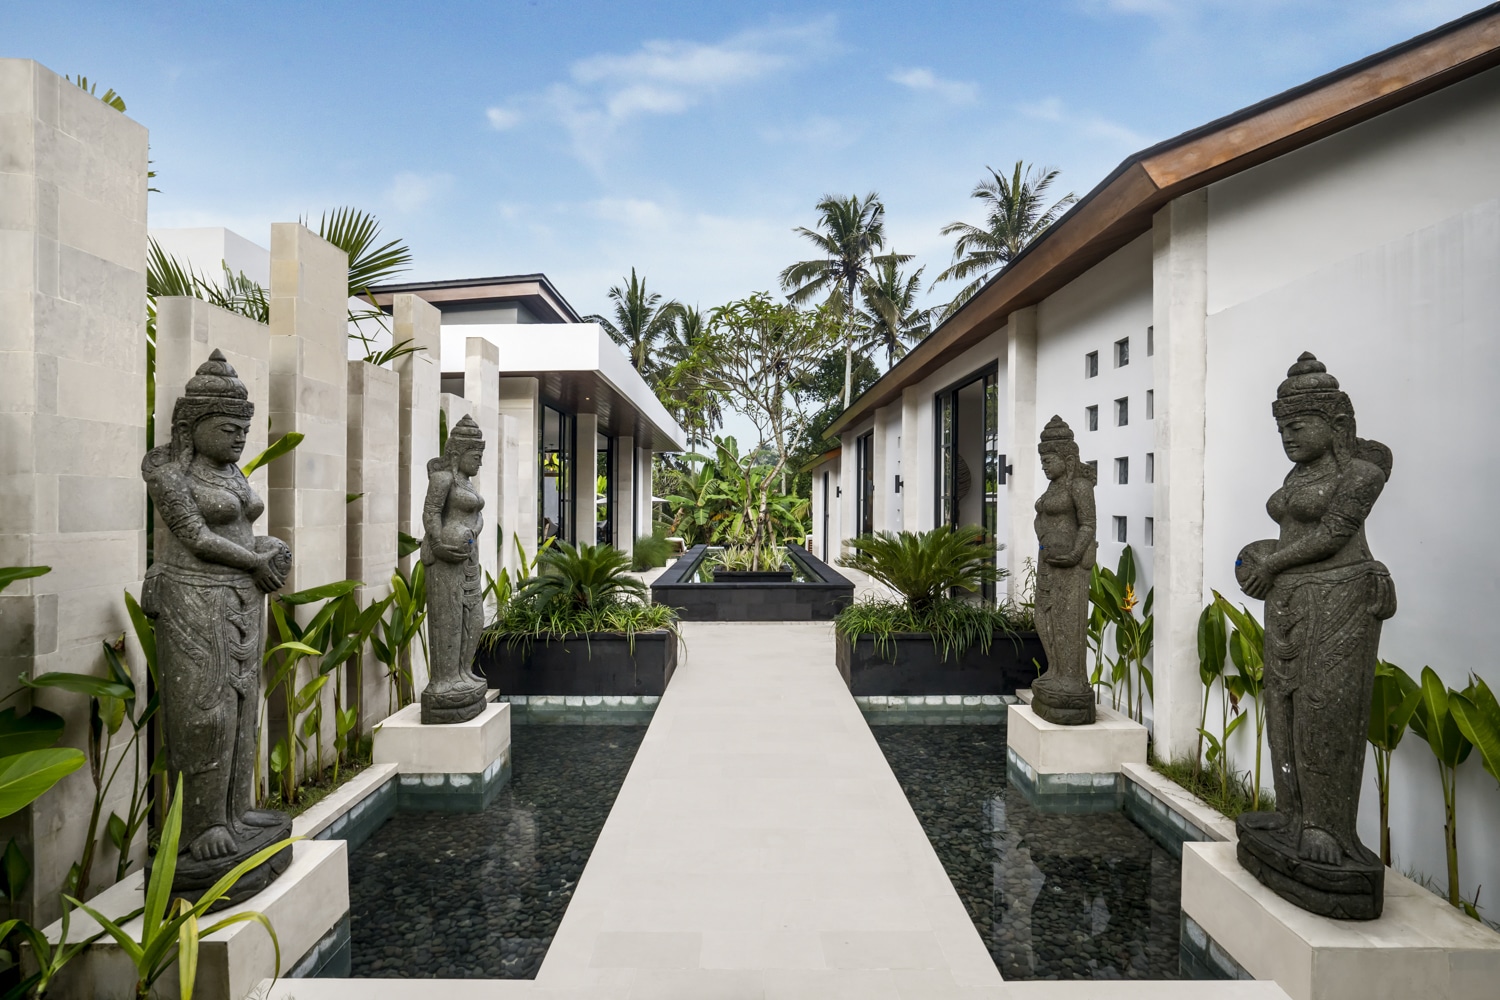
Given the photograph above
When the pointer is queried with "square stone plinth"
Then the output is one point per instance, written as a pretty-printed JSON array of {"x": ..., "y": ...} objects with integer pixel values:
[
  {"x": 308, "y": 905},
  {"x": 1420, "y": 946},
  {"x": 447, "y": 768},
  {"x": 1102, "y": 748}
]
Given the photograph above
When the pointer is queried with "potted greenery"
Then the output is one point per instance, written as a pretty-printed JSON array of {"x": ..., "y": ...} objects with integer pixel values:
[
  {"x": 579, "y": 626},
  {"x": 929, "y": 641}
]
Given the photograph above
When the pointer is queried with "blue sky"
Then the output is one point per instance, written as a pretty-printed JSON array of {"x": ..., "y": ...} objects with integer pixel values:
[{"x": 684, "y": 139}]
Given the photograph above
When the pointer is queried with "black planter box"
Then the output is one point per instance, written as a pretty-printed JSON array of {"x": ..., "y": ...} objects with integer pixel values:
[
  {"x": 752, "y": 576},
  {"x": 600, "y": 663},
  {"x": 818, "y": 599},
  {"x": 919, "y": 669}
]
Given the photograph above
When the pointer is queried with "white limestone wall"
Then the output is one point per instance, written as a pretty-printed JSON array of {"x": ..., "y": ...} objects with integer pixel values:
[
  {"x": 189, "y": 330},
  {"x": 416, "y": 320},
  {"x": 1019, "y": 433},
  {"x": 1378, "y": 250},
  {"x": 623, "y": 489},
  {"x": 72, "y": 417},
  {"x": 586, "y": 480},
  {"x": 371, "y": 517},
  {"x": 482, "y": 385}
]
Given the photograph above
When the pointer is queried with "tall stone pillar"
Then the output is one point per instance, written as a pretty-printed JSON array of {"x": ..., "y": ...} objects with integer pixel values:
[
  {"x": 623, "y": 495},
  {"x": 916, "y": 485},
  {"x": 1180, "y": 315},
  {"x": 518, "y": 463},
  {"x": 883, "y": 475},
  {"x": 416, "y": 321},
  {"x": 1021, "y": 444},
  {"x": 72, "y": 419},
  {"x": 482, "y": 388},
  {"x": 645, "y": 511},
  {"x": 189, "y": 330},
  {"x": 310, "y": 395},
  {"x": 586, "y": 480},
  {"x": 371, "y": 517}
]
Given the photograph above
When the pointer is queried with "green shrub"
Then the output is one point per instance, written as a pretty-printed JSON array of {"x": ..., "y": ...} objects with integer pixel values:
[
  {"x": 650, "y": 552},
  {"x": 924, "y": 567},
  {"x": 522, "y": 621}
]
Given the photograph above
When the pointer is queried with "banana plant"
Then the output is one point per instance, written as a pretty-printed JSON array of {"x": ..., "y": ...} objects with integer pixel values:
[
  {"x": 1435, "y": 723},
  {"x": 170, "y": 928},
  {"x": 353, "y": 626},
  {"x": 1247, "y": 645},
  {"x": 402, "y": 625},
  {"x": 1478, "y": 716},
  {"x": 1112, "y": 592},
  {"x": 1393, "y": 700},
  {"x": 1213, "y": 648}
]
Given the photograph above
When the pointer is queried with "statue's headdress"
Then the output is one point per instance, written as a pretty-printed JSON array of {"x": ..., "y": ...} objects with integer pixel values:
[
  {"x": 214, "y": 391},
  {"x": 1310, "y": 390},
  {"x": 1057, "y": 439},
  {"x": 461, "y": 437}
]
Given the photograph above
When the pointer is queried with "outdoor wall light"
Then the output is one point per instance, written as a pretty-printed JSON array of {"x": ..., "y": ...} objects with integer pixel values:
[{"x": 898, "y": 484}]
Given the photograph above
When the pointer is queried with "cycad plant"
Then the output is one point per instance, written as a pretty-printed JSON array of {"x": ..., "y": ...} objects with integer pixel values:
[
  {"x": 581, "y": 577},
  {"x": 924, "y": 567},
  {"x": 1393, "y": 701}
]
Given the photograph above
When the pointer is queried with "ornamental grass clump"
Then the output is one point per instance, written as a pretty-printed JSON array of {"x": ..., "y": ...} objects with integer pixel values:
[{"x": 925, "y": 569}]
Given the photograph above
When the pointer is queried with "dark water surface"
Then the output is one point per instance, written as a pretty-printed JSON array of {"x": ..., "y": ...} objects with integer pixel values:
[
  {"x": 1053, "y": 896},
  {"x": 479, "y": 896}
]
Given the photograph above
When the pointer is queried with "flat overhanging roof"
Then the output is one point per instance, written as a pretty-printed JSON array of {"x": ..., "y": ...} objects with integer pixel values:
[
  {"x": 580, "y": 370},
  {"x": 532, "y": 290}
]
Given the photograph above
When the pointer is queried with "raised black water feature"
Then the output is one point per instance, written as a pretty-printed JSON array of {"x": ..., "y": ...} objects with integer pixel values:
[
  {"x": 1054, "y": 896},
  {"x": 812, "y": 591},
  {"x": 480, "y": 895}
]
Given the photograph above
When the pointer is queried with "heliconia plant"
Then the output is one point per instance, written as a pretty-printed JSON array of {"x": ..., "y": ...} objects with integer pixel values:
[
  {"x": 1477, "y": 713},
  {"x": 1435, "y": 723},
  {"x": 1247, "y": 645},
  {"x": 1393, "y": 702},
  {"x": 1213, "y": 649}
]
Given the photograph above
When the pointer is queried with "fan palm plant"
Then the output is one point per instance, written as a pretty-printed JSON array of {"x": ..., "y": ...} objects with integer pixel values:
[
  {"x": 923, "y": 567},
  {"x": 891, "y": 319},
  {"x": 581, "y": 577},
  {"x": 357, "y": 233},
  {"x": 850, "y": 233},
  {"x": 1014, "y": 216},
  {"x": 641, "y": 320}
]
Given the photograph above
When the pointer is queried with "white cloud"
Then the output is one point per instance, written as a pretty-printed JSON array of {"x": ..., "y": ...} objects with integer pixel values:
[
  {"x": 1052, "y": 109},
  {"x": 924, "y": 80},
  {"x": 503, "y": 118},
  {"x": 661, "y": 77},
  {"x": 408, "y": 192},
  {"x": 817, "y": 131}
]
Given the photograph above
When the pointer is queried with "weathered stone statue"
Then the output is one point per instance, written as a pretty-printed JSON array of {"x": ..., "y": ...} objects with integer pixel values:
[
  {"x": 1325, "y": 599},
  {"x": 452, "y": 517},
  {"x": 207, "y": 591},
  {"x": 1065, "y": 530}
]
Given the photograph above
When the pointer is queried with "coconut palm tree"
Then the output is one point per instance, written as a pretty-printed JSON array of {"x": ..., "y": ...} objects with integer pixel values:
[
  {"x": 851, "y": 231},
  {"x": 698, "y": 409},
  {"x": 890, "y": 318},
  {"x": 641, "y": 321},
  {"x": 1014, "y": 216}
]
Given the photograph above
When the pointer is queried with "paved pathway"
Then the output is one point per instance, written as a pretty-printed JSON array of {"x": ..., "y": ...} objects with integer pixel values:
[{"x": 761, "y": 846}]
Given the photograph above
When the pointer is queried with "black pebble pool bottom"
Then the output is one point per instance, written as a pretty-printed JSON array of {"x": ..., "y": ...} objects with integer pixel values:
[
  {"x": 480, "y": 895},
  {"x": 1053, "y": 896}
]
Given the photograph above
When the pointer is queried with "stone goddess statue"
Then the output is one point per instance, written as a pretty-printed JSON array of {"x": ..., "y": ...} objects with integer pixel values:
[
  {"x": 452, "y": 518},
  {"x": 1065, "y": 531},
  {"x": 206, "y": 590},
  {"x": 1325, "y": 599}
]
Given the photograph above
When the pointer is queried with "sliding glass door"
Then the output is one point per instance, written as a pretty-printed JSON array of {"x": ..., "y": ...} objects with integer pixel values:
[{"x": 969, "y": 467}]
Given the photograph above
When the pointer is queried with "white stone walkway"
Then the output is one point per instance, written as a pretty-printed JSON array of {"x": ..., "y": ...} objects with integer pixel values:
[{"x": 761, "y": 848}]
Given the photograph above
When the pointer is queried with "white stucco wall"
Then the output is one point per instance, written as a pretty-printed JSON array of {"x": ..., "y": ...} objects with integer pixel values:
[
  {"x": 1108, "y": 303},
  {"x": 1379, "y": 251}
]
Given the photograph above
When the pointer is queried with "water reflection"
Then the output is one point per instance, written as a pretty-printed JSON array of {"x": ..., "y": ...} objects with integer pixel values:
[{"x": 1054, "y": 896}]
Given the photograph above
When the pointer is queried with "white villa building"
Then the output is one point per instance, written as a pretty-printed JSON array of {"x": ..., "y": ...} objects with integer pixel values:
[{"x": 1356, "y": 216}]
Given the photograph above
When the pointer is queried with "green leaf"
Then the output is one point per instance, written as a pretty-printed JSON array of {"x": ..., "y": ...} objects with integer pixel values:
[
  {"x": 25, "y": 777},
  {"x": 323, "y": 593},
  {"x": 145, "y": 631},
  {"x": 279, "y": 447},
  {"x": 279, "y": 756},
  {"x": 159, "y": 889},
  {"x": 1477, "y": 714},
  {"x": 1393, "y": 701},
  {"x": 406, "y": 544},
  {"x": 94, "y": 687},
  {"x": 38, "y": 729},
  {"x": 117, "y": 832},
  {"x": 187, "y": 956},
  {"x": 1434, "y": 722},
  {"x": 16, "y": 871},
  {"x": 10, "y": 574}
]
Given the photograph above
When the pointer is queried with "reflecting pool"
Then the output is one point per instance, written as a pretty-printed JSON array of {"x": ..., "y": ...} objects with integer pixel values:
[
  {"x": 1053, "y": 896},
  {"x": 479, "y": 896}
]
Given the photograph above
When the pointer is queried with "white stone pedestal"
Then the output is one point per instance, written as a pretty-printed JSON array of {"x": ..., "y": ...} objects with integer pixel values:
[
  {"x": 449, "y": 768},
  {"x": 308, "y": 905},
  {"x": 1420, "y": 946},
  {"x": 1071, "y": 768}
]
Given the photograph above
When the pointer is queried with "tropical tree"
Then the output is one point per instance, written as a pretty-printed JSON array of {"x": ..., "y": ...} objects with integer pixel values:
[
  {"x": 850, "y": 233},
  {"x": 697, "y": 408},
  {"x": 1014, "y": 216},
  {"x": 357, "y": 233},
  {"x": 890, "y": 319},
  {"x": 641, "y": 321}
]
